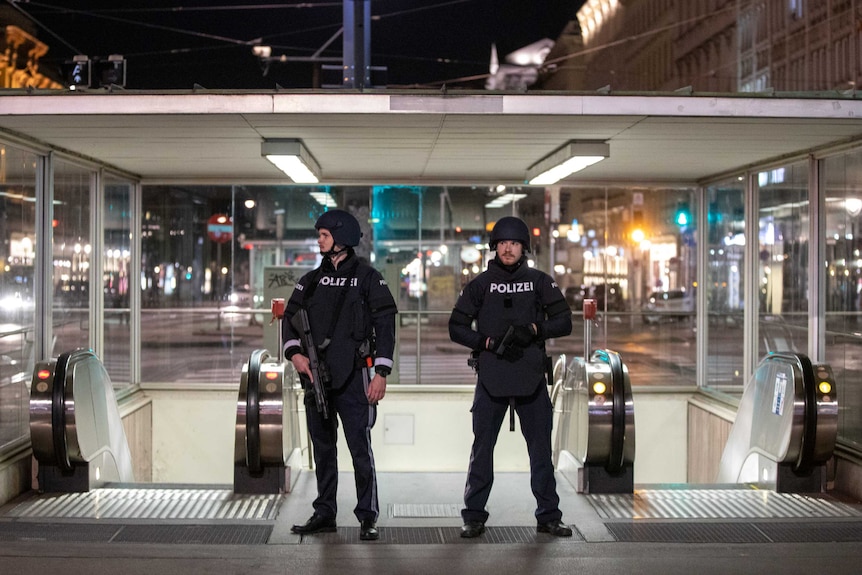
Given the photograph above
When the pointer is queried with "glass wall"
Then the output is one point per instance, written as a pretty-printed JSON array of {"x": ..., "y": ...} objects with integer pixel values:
[
  {"x": 633, "y": 250},
  {"x": 71, "y": 252},
  {"x": 116, "y": 275},
  {"x": 725, "y": 236},
  {"x": 17, "y": 295},
  {"x": 203, "y": 310},
  {"x": 783, "y": 259},
  {"x": 842, "y": 182}
]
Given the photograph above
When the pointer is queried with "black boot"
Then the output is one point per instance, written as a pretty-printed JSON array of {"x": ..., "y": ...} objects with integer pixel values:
[
  {"x": 368, "y": 531},
  {"x": 472, "y": 529},
  {"x": 556, "y": 528},
  {"x": 316, "y": 524}
]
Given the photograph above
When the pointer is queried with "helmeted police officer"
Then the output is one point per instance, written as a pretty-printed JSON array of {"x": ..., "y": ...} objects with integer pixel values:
[
  {"x": 515, "y": 308},
  {"x": 352, "y": 318}
]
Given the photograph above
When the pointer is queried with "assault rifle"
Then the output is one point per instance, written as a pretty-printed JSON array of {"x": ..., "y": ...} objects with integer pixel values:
[{"x": 319, "y": 371}]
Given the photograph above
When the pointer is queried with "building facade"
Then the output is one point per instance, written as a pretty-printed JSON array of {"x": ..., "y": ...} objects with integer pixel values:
[{"x": 712, "y": 46}]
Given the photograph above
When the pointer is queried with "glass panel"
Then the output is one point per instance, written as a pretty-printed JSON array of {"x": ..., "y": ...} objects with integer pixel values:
[
  {"x": 726, "y": 236},
  {"x": 18, "y": 248},
  {"x": 634, "y": 252},
  {"x": 203, "y": 314},
  {"x": 71, "y": 251},
  {"x": 783, "y": 249},
  {"x": 116, "y": 257},
  {"x": 842, "y": 181},
  {"x": 187, "y": 278}
]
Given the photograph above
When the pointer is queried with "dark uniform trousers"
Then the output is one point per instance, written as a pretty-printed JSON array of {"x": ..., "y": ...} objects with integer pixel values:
[
  {"x": 357, "y": 418},
  {"x": 535, "y": 414}
]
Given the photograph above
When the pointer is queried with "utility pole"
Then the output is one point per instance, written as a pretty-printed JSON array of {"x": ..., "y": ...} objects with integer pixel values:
[{"x": 357, "y": 43}]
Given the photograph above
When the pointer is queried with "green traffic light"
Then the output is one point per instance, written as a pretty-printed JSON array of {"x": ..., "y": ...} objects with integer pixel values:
[{"x": 683, "y": 216}]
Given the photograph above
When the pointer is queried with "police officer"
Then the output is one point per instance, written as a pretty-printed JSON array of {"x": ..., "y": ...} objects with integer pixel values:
[
  {"x": 352, "y": 317},
  {"x": 515, "y": 309}
]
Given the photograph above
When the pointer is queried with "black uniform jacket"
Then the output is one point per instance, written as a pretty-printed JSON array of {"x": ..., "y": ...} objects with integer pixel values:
[
  {"x": 496, "y": 299},
  {"x": 368, "y": 310}
]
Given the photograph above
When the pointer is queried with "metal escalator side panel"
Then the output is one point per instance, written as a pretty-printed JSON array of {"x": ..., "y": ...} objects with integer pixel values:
[
  {"x": 271, "y": 413},
  {"x": 826, "y": 399},
  {"x": 41, "y": 411},
  {"x": 597, "y": 426}
]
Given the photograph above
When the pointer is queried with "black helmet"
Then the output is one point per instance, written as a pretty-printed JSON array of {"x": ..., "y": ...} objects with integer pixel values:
[
  {"x": 343, "y": 227},
  {"x": 512, "y": 229}
]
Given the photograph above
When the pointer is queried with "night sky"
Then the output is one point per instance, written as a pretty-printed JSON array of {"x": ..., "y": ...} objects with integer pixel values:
[{"x": 173, "y": 45}]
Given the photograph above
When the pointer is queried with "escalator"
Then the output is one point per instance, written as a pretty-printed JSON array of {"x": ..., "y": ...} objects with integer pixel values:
[
  {"x": 80, "y": 444},
  {"x": 75, "y": 426},
  {"x": 595, "y": 443},
  {"x": 267, "y": 443},
  {"x": 785, "y": 428}
]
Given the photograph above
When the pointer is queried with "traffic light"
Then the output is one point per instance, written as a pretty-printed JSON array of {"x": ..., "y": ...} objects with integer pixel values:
[
  {"x": 682, "y": 217},
  {"x": 113, "y": 71},
  {"x": 78, "y": 72}
]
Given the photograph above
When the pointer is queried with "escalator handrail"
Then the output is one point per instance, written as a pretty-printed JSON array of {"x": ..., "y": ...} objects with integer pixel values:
[
  {"x": 252, "y": 412},
  {"x": 62, "y": 370},
  {"x": 58, "y": 413},
  {"x": 616, "y": 454},
  {"x": 809, "y": 431}
]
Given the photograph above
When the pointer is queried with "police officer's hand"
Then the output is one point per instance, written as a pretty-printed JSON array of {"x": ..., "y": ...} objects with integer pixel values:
[
  {"x": 512, "y": 353},
  {"x": 376, "y": 389},
  {"x": 300, "y": 363},
  {"x": 509, "y": 353},
  {"x": 523, "y": 335}
]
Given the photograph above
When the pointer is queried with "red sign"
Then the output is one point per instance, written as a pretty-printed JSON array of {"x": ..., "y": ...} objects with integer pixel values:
[{"x": 220, "y": 228}]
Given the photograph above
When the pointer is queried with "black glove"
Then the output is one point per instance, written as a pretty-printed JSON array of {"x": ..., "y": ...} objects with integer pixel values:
[
  {"x": 509, "y": 352},
  {"x": 522, "y": 335},
  {"x": 512, "y": 353}
]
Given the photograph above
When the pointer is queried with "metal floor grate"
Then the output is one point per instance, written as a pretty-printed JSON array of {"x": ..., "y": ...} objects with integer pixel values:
[
  {"x": 647, "y": 532},
  {"x": 717, "y": 504},
  {"x": 195, "y": 534},
  {"x": 132, "y": 503},
  {"x": 441, "y": 535},
  {"x": 17, "y": 531}
]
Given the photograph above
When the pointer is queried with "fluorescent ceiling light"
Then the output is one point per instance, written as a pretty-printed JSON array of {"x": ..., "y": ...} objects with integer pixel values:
[
  {"x": 572, "y": 157},
  {"x": 324, "y": 199},
  {"x": 501, "y": 201},
  {"x": 292, "y": 158}
]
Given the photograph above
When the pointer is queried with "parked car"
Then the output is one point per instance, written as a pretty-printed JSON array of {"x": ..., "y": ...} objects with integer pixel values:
[
  {"x": 602, "y": 293},
  {"x": 667, "y": 305}
]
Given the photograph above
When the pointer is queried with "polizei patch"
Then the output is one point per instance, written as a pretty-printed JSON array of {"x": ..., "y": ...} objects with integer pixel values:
[
  {"x": 516, "y": 287},
  {"x": 337, "y": 282}
]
